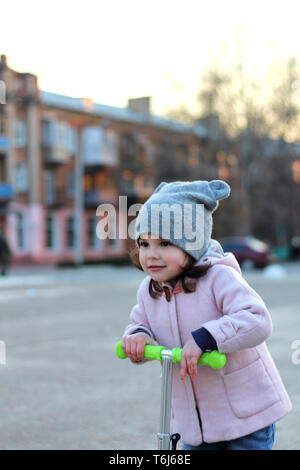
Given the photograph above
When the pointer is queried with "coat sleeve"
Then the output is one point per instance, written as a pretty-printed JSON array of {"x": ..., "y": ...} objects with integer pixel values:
[
  {"x": 245, "y": 320},
  {"x": 138, "y": 315}
]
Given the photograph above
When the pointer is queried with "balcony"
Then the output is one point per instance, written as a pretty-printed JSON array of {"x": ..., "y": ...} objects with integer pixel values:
[
  {"x": 3, "y": 142},
  {"x": 55, "y": 155},
  {"x": 93, "y": 198},
  {"x": 6, "y": 192},
  {"x": 100, "y": 147}
]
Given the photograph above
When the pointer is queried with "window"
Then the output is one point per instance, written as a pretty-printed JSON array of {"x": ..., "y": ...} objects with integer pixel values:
[
  {"x": 92, "y": 143},
  {"x": 21, "y": 178},
  {"x": 51, "y": 232},
  {"x": 127, "y": 182},
  {"x": 113, "y": 243},
  {"x": 20, "y": 231},
  {"x": 87, "y": 183},
  {"x": 2, "y": 125},
  {"x": 70, "y": 184},
  {"x": 296, "y": 171},
  {"x": 49, "y": 187},
  {"x": 59, "y": 134},
  {"x": 101, "y": 182},
  {"x": 70, "y": 231},
  {"x": 47, "y": 134},
  {"x": 93, "y": 241},
  {"x": 20, "y": 135},
  {"x": 18, "y": 84},
  {"x": 110, "y": 149},
  {"x": 71, "y": 140}
]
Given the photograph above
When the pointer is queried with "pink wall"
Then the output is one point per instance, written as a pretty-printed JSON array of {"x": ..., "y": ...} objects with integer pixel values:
[{"x": 34, "y": 236}]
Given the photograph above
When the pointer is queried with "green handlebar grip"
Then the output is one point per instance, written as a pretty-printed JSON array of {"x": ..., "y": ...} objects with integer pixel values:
[
  {"x": 213, "y": 359},
  {"x": 150, "y": 351},
  {"x": 153, "y": 352}
]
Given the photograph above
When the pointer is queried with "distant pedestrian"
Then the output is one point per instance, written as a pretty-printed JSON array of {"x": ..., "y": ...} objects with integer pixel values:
[
  {"x": 295, "y": 248},
  {"x": 197, "y": 299},
  {"x": 5, "y": 255}
]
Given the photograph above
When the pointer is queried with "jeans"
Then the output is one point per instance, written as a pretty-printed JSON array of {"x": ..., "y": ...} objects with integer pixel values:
[{"x": 262, "y": 439}]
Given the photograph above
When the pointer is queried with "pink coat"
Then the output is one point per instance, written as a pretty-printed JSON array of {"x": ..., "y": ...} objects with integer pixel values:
[{"x": 244, "y": 396}]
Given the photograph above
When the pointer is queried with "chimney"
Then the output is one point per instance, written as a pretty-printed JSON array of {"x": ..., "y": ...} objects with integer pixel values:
[
  {"x": 3, "y": 63},
  {"x": 140, "y": 105}
]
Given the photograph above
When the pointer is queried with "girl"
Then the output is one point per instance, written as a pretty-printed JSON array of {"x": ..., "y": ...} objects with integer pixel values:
[{"x": 195, "y": 297}]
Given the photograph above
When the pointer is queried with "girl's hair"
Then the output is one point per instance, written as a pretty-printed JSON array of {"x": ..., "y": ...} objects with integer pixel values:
[{"x": 191, "y": 271}]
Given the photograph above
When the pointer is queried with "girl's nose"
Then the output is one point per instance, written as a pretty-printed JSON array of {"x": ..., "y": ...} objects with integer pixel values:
[{"x": 153, "y": 253}]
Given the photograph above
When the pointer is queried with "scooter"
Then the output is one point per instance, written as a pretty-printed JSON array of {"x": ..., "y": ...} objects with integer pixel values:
[{"x": 213, "y": 359}]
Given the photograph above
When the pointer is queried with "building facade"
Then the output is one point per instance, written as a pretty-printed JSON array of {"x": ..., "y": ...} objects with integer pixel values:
[{"x": 62, "y": 157}]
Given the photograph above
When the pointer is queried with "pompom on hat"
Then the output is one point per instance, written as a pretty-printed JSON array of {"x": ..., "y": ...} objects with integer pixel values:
[{"x": 181, "y": 212}]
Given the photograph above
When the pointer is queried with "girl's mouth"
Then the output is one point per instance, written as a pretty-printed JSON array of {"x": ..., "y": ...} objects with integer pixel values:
[{"x": 156, "y": 268}]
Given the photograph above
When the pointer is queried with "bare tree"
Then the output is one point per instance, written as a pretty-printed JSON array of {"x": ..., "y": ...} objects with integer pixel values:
[
  {"x": 247, "y": 112},
  {"x": 284, "y": 101}
]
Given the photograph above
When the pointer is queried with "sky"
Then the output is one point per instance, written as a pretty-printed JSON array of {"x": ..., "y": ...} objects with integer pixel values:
[{"x": 118, "y": 49}]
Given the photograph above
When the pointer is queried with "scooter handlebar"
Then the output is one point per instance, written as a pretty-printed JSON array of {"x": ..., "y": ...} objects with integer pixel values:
[{"x": 213, "y": 359}]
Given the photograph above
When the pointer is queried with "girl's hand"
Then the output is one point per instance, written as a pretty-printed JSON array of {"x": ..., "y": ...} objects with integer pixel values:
[
  {"x": 189, "y": 357},
  {"x": 133, "y": 345}
]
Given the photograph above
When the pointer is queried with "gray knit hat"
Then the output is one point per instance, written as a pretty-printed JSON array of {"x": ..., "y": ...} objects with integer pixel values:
[{"x": 181, "y": 212}]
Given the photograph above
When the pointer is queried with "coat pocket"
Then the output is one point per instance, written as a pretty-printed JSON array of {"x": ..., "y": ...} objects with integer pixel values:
[{"x": 250, "y": 390}]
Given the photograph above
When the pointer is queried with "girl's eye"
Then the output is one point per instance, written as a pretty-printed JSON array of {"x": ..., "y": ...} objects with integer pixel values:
[{"x": 163, "y": 243}]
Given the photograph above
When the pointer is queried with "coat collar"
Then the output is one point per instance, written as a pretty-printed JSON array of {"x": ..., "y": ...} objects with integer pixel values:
[{"x": 169, "y": 289}]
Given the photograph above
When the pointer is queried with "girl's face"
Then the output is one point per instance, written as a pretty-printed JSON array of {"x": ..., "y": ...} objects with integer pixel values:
[{"x": 160, "y": 259}]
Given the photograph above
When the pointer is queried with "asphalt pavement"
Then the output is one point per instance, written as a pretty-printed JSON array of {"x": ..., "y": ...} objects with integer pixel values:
[{"x": 62, "y": 386}]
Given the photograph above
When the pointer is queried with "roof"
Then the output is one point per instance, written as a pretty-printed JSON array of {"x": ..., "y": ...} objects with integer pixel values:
[{"x": 121, "y": 114}]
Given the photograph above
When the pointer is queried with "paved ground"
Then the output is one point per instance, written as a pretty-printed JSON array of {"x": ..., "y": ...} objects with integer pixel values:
[{"x": 63, "y": 388}]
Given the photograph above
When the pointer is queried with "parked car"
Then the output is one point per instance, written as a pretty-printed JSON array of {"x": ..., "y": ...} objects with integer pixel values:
[{"x": 249, "y": 251}]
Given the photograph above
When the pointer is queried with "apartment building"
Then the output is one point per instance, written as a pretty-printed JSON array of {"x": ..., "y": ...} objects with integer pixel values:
[{"x": 63, "y": 157}]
